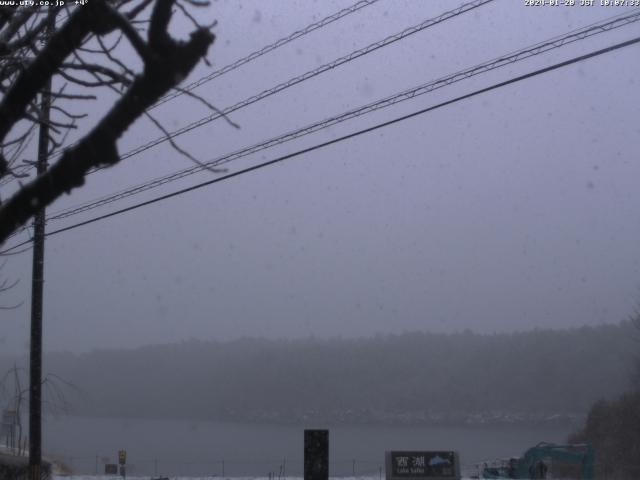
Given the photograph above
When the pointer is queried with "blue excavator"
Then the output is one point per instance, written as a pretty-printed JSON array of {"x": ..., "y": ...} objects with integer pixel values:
[{"x": 537, "y": 462}]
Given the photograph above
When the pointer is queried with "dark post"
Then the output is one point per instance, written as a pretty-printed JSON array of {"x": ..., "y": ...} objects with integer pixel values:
[
  {"x": 122, "y": 460},
  {"x": 316, "y": 454},
  {"x": 37, "y": 281}
]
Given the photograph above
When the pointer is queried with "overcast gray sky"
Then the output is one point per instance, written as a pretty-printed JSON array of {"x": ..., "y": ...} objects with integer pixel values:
[{"x": 513, "y": 210}]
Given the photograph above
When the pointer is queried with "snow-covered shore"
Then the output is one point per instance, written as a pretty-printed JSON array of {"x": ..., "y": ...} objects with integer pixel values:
[{"x": 111, "y": 477}]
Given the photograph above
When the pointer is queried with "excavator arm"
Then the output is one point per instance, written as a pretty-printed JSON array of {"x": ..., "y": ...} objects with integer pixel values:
[{"x": 534, "y": 463}]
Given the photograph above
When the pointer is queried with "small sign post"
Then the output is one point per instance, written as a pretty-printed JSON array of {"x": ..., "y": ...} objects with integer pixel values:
[
  {"x": 422, "y": 465},
  {"x": 122, "y": 460}
]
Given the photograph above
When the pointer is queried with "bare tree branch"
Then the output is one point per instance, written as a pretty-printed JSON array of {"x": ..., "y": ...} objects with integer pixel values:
[
  {"x": 16, "y": 22},
  {"x": 95, "y": 68},
  {"x": 61, "y": 44},
  {"x": 166, "y": 63},
  {"x": 32, "y": 34},
  {"x": 133, "y": 13}
]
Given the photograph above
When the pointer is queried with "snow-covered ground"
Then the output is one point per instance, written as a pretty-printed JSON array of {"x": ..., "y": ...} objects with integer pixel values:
[{"x": 111, "y": 477}]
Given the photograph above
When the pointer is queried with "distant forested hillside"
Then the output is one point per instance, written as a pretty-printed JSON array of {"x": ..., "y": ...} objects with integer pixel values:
[{"x": 413, "y": 377}]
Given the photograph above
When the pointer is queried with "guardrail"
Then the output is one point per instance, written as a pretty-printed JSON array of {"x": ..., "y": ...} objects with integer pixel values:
[{"x": 274, "y": 469}]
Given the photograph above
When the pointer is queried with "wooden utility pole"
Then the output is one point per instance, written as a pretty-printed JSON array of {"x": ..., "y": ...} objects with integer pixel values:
[{"x": 37, "y": 282}]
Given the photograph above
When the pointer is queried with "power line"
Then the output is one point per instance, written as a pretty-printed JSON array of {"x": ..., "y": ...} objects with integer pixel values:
[
  {"x": 264, "y": 50},
  {"x": 246, "y": 59},
  {"x": 308, "y": 75},
  {"x": 346, "y": 137},
  {"x": 301, "y": 78},
  {"x": 508, "y": 59}
]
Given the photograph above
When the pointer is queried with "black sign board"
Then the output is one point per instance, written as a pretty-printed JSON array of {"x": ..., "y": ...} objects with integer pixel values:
[
  {"x": 316, "y": 454},
  {"x": 111, "y": 469},
  {"x": 413, "y": 465}
]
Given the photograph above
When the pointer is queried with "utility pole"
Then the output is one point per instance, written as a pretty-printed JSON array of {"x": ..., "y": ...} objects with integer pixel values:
[{"x": 37, "y": 281}]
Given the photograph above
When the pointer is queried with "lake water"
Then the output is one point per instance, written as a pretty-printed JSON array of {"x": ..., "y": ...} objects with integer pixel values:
[{"x": 188, "y": 448}]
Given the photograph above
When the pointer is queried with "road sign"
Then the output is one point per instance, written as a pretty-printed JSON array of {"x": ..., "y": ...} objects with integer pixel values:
[{"x": 422, "y": 465}]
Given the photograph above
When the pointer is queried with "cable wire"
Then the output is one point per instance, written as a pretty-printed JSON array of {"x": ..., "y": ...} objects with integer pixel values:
[
  {"x": 466, "y": 7},
  {"x": 507, "y": 59},
  {"x": 318, "y": 146},
  {"x": 499, "y": 62},
  {"x": 264, "y": 50},
  {"x": 248, "y": 58}
]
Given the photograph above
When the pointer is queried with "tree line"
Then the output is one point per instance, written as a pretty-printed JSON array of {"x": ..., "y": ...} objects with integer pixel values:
[
  {"x": 538, "y": 375},
  {"x": 612, "y": 427}
]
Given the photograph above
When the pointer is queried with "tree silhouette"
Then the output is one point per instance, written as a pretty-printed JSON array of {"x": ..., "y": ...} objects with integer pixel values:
[{"x": 31, "y": 54}]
